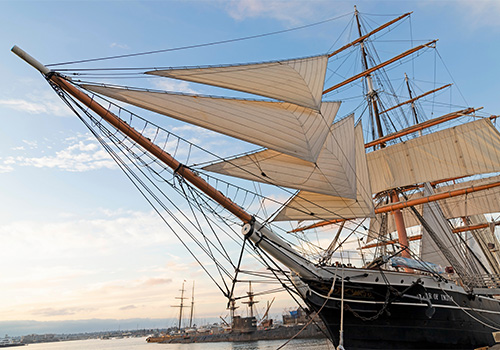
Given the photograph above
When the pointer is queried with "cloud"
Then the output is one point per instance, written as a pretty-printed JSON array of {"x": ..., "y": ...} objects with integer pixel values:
[
  {"x": 4, "y": 168},
  {"x": 128, "y": 307},
  {"x": 38, "y": 103},
  {"x": 167, "y": 84},
  {"x": 157, "y": 281},
  {"x": 119, "y": 46},
  {"x": 290, "y": 12},
  {"x": 50, "y": 312},
  {"x": 82, "y": 154},
  {"x": 481, "y": 13}
]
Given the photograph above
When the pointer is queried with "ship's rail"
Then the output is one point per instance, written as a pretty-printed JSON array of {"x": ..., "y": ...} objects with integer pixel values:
[{"x": 483, "y": 281}]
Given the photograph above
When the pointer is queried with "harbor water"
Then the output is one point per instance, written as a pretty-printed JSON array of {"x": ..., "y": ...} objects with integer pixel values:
[{"x": 141, "y": 344}]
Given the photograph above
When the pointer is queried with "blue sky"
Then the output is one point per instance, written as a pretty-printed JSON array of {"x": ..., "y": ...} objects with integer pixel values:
[{"x": 77, "y": 241}]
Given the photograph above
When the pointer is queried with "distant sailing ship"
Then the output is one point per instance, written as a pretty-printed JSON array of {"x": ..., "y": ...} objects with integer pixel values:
[{"x": 437, "y": 175}]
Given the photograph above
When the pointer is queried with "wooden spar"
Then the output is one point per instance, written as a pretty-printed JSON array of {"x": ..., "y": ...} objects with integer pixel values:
[
  {"x": 474, "y": 227},
  {"x": 418, "y": 237},
  {"x": 153, "y": 149},
  {"x": 383, "y": 64},
  {"x": 400, "y": 227},
  {"x": 415, "y": 98},
  {"x": 401, "y": 205},
  {"x": 361, "y": 38},
  {"x": 421, "y": 126},
  {"x": 434, "y": 197},
  {"x": 393, "y": 241}
]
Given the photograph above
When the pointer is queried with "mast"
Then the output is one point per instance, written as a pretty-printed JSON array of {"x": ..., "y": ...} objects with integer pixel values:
[
  {"x": 181, "y": 305},
  {"x": 373, "y": 99},
  {"x": 192, "y": 308},
  {"x": 411, "y": 99},
  {"x": 372, "y": 95},
  {"x": 251, "y": 302}
]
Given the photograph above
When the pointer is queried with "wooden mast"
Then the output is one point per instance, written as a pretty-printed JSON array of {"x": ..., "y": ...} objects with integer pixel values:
[
  {"x": 372, "y": 94},
  {"x": 373, "y": 98}
]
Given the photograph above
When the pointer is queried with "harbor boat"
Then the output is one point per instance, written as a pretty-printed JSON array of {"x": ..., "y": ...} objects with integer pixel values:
[
  {"x": 8, "y": 342},
  {"x": 414, "y": 192}
]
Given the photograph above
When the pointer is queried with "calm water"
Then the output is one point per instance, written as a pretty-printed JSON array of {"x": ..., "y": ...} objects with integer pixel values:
[{"x": 140, "y": 344}]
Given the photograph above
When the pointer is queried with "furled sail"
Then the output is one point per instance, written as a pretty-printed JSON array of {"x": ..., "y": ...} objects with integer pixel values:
[
  {"x": 298, "y": 81},
  {"x": 472, "y": 148},
  {"x": 476, "y": 203},
  {"x": 310, "y": 206},
  {"x": 280, "y": 126},
  {"x": 333, "y": 173},
  {"x": 439, "y": 245}
]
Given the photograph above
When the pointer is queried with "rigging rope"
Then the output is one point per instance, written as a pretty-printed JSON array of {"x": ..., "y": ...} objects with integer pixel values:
[{"x": 199, "y": 45}]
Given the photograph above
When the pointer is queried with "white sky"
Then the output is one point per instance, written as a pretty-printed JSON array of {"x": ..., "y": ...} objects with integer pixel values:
[{"x": 77, "y": 241}]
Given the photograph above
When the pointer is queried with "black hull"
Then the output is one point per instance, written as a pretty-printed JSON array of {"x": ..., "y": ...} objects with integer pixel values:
[{"x": 378, "y": 317}]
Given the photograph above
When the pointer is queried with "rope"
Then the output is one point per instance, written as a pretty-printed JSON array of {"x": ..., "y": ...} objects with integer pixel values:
[
  {"x": 312, "y": 319},
  {"x": 199, "y": 45}
]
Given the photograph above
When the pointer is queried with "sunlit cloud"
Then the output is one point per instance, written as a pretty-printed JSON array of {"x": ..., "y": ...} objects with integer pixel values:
[
  {"x": 82, "y": 154},
  {"x": 38, "y": 103},
  {"x": 49, "y": 312}
]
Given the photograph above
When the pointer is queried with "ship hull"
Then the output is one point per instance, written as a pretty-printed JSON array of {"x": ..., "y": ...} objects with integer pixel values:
[{"x": 410, "y": 315}]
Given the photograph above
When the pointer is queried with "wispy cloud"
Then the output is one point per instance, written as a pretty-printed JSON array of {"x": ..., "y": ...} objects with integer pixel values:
[
  {"x": 49, "y": 312},
  {"x": 119, "y": 46},
  {"x": 481, "y": 13},
  {"x": 37, "y": 103},
  {"x": 82, "y": 154},
  {"x": 290, "y": 12}
]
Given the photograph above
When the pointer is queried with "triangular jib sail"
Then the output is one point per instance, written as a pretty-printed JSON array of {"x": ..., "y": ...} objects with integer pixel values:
[
  {"x": 281, "y": 126},
  {"x": 311, "y": 206},
  {"x": 333, "y": 173},
  {"x": 298, "y": 81}
]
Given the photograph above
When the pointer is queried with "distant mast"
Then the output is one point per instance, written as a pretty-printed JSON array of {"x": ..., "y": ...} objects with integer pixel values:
[
  {"x": 251, "y": 302},
  {"x": 181, "y": 305},
  {"x": 192, "y": 308}
]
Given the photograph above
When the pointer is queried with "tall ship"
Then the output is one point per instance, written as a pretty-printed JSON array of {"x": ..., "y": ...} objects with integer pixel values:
[{"x": 347, "y": 189}]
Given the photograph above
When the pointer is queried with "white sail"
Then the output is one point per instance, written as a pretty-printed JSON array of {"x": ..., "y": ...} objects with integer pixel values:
[
  {"x": 310, "y": 206},
  {"x": 479, "y": 241},
  {"x": 432, "y": 243},
  {"x": 283, "y": 127},
  {"x": 472, "y": 148},
  {"x": 298, "y": 81},
  {"x": 333, "y": 173},
  {"x": 475, "y": 203}
]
